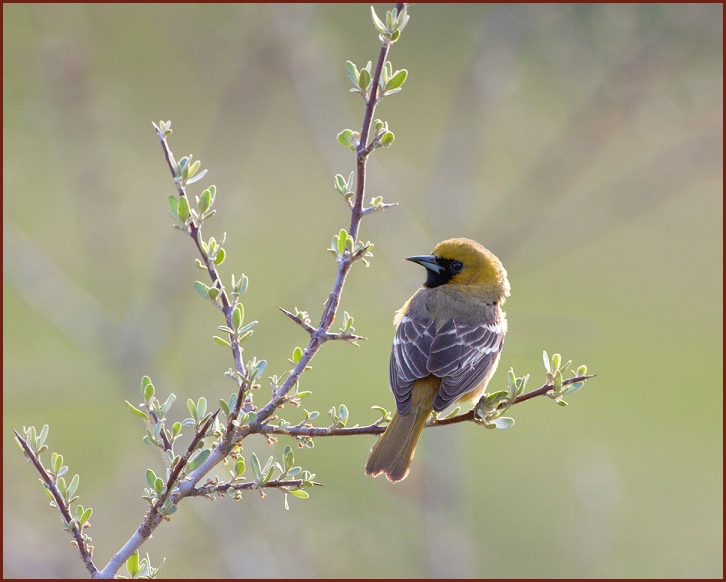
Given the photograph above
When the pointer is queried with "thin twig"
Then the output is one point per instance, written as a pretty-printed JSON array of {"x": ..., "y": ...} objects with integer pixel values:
[
  {"x": 86, "y": 553},
  {"x": 277, "y": 483},
  {"x": 471, "y": 416},
  {"x": 325, "y": 431},
  {"x": 365, "y": 148},
  {"x": 304, "y": 324}
]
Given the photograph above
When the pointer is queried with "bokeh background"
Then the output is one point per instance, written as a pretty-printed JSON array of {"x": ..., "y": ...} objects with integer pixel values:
[{"x": 582, "y": 144}]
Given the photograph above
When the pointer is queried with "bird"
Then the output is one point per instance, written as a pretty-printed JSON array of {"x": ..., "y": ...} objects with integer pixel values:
[{"x": 448, "y": 341}]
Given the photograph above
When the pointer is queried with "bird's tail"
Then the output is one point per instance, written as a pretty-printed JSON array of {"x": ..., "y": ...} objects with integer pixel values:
[{"x": 394, "y": 451}]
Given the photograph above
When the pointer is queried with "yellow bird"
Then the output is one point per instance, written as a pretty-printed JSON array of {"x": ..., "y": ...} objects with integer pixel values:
[{"x": 449, "y": 337}]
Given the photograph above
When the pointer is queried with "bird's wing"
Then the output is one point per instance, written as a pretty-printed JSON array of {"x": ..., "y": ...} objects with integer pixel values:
[
  {"x": 460, "y": 353},
  {"x": 409, "y": 357}
]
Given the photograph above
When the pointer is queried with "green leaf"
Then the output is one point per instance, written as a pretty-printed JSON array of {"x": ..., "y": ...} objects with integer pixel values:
[
  {"x": 205, "y": 201},
  {"x": 345, "y": 137},
  {"x": 249, "y": 326},
  {"x": 342, "y": 239},
  {"x": 183, "y": 208},
  {"x": 238, "y": 316},
  {"x": 299, "y": 493},
  {"x": 242, "y": 285},
  {"x": 352, "y": 71},
  {"x": 136, "y": 411},
  {"x": 221, "y": 254},
  {"x": 62, "y": 486},
  {"x": 132, "y": 564},
  {"x": 191, "y": 405},
  {"x": 202, "y": 407},
  {"x": 242, "y": 338},
  {"x": 73, "y": 485},
  {"x": 173, "y": 206},
  {"x": 167, "y": 405},
  {"x": 198, "y": 177},
  {"x": 239, "y": 466},
  {"x": 193, "y": 168},
  {"x": 387, "y": 138},
  {"x": 148, "y": 392},
  {"x": 573, "y": 387},
  {"x": 221, "y": 341},
  {"x": 42, "y": 436},
  {"x": 343, "y": 413},
  {"x": 288, "y": 457},
  {"x": 402, "y": 19},
  {"x": 365, "y": 79},
  {"x": 397, "y": 80},
  {"x": 86, "y": 515},
  {"x": 340, "y": 184},
  {"x": 377, "y": 21},
  {"x": 256, "y": 469},
  {"x": 150, "y": 477},
  {"x": 297, "y": 354},
  {"x": 57, "y": 462},
  {"x": 201, "y": 288},
  {"x": 503, "y": 423},
  {"x": 382, "y": 411},
  {"x": 260, "y": 367},
  {"x": 199, "y": 459},
  {"x": 546, "y": 360}
]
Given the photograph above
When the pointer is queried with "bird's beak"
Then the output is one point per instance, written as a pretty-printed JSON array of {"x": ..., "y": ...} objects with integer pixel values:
[{"x": 428, "y": 261}]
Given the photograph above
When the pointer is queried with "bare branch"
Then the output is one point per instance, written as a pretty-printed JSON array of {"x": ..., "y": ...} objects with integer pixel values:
[
  {"x": 304, "y": 324},
  {"x": 379, "y": 208}
]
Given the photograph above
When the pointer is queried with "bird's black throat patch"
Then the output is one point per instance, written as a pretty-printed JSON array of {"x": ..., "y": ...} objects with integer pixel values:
[{"x": 434, "y": 279}]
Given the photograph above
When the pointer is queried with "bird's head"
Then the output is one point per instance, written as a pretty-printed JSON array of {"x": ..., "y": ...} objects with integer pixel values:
[{"x": 461, "y": 261}]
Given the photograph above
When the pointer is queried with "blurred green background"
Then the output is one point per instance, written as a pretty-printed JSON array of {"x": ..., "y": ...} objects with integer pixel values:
[{"x": 582, "y": 144}]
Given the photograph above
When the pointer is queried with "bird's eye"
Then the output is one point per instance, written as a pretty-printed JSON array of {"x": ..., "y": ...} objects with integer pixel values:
[{"x": 457, "y": 266}]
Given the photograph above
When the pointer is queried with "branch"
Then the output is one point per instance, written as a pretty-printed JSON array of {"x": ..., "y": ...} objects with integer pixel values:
[
  {"x": 277, "y": 483},
  {"x": 320, "y": 335},
  {"x": 155, "y": 516},
  {"x": 312, "y": 431},
  {"x": 471, "y": 415},
  {"x": 85, "y": 550},
  {"x": 376, "y": 428},
  {"x": 194, "y": 231},
  {"x": 364, "y": 148},
  {"x": 327, "y": 336},
  {"x": 179, "y": 467}
]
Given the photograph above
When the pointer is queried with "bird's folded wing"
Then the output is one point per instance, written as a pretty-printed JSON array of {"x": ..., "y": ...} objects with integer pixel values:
[{"x": 460, "y": 353}]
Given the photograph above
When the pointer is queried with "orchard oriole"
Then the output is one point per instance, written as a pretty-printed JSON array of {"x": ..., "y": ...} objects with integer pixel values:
[{"x": 448, "y": 341}]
